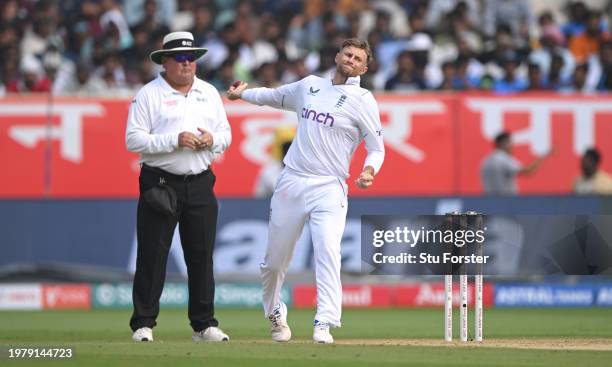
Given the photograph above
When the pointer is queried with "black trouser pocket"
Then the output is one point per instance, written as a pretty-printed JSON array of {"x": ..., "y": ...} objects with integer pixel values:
[{"x": 162, "y": 198}]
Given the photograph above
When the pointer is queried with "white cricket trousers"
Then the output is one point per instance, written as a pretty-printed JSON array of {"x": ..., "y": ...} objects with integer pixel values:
[{"x": 322, "y": 200}]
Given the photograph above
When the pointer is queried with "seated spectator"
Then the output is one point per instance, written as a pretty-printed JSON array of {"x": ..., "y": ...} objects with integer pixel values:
[
  {"x": 267, "y": 76},
  {"x": 576, "y": 12},
  {"x": 487, "y": 82},
  {"x": 588, "y": 42},
  {"x": 223, "y": 77},
  {"x": 439, "y": 11},
  {"x": 556, "y": 77},
  {"x": 592, "y": 180},
  {"x": 536, "y": 81},
  {"x": 77, "y": 83},
  {"x": 464, "y": 80},
  {"x": 406, "y": 77},
  {"x": 33, "y": 78},
  {"x": 552, "y": 43},
  {"x": 449, "y": 74},
  {"x": 516, "y": 14},
  {"x": 578, "y": 81},
  {"x": 153, "y": 20},
  {"x": 132, "y": 57},
  {"x": 113, "y": 17},
  {"x": 605, "y": 63},
  {"x": 510, "y": 83}
]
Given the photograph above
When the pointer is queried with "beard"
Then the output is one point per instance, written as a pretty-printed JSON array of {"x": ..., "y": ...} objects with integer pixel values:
[{"x": 347, "y": 71}]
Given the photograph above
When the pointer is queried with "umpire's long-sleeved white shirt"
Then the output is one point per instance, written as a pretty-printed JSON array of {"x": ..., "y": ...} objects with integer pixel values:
[
  {"x": 332, "y": 122},
  {"x": 159, "y": 113}
]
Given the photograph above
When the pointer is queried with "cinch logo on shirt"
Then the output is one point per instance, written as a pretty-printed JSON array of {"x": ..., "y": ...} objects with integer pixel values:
[{"x": 323, "y": 118}]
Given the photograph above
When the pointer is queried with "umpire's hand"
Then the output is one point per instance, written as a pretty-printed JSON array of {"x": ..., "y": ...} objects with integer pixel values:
[{"x": 187, "y": 139}]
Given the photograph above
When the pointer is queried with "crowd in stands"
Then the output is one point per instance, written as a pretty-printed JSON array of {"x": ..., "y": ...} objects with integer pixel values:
[{"x": 101, "y": 48}]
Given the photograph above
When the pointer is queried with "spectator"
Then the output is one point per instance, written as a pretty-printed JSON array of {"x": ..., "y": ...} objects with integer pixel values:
[
  {"x": 153, "y": 21},
  {"x": 419, "y": 45},
  {"x": 464, "y": 80},
  {"x": 510, "y": 82},
  {"x": 406, "y": 77},
  {"x": 9, "y": 64},
  {"x": 600, "y": 69},
  {"x": 536, "y": 81},
  {"x": 267, "y": 76},
  {"x": 133, "y": 57},
  {"x": 203, "y": 24},
  {"x": 33, "y": 79},
  {"x": 578, "y": 81},
  {"x": 383, "y": 26},
  {"x": 551, "y": 45},
  {"x": 137, "y": 11},
  {"x": 112, "y": 16},
  {"x": 250, "y": 33},
  {"x": 77, "y": 83},
  {"x": 295, "y": 71},
  {"x": 223, "y": 76},
  {"x": 321, "y": 28},
  {"x": 588, "y": 42},
  {"x": 498, "y": 52},
  {"x": 499, "y": 170},
  {"x": 516, "y": 14},
  {"x": 449, "y": 74},
  {"x": 486, "y": 83},
  {"x": 592, "y": 180},
  {"x": 556, "y": 79},
  {"x": 439, "y": 11},
  {"x": 577, "y": 13},
  {"x": 605, "y": 63}
]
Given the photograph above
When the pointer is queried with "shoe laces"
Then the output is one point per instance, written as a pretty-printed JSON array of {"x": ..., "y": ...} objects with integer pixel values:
[
  {"x": 320, "y": 325},
  {"x": 275, "y": 317}
]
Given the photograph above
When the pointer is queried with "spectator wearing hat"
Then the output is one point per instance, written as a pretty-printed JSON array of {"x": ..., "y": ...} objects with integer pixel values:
[
  {"x": 179, "y": 126},
  {"x": 33, "y": 78}
]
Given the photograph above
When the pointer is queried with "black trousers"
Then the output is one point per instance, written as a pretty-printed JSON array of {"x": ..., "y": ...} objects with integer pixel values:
[{"x": 197, "y": 220}]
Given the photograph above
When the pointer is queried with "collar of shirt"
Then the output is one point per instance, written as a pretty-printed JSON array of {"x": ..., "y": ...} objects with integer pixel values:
[
  {"x": 352, "y": 80},
  {"x": 168, "y": 90}
]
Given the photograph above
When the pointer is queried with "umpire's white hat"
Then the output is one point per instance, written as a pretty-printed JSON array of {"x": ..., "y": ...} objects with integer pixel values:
[{"x": 176, "y": 42}]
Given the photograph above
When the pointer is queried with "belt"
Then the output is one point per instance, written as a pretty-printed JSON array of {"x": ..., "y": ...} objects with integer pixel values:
[{"x": 167, "y": 174}]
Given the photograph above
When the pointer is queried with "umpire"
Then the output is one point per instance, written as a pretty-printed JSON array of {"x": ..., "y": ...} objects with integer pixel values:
[{"x": 178, "y": 125}]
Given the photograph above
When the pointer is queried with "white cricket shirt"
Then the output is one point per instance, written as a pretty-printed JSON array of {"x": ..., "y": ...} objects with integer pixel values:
[
  {"x": 159, "y": 113},
  {"x": 332, "y": 122}
]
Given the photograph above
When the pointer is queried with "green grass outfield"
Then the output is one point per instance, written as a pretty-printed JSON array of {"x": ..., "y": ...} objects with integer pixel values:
[{"x": 396, "y": 337}]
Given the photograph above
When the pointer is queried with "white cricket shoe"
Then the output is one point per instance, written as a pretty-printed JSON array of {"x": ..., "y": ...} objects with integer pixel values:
[
  {"x": 321, "y": 333},
  {"x": 280, "y": 330},
  {"x": 144, "y": 334},
  {"x": 210, "y": 334}
]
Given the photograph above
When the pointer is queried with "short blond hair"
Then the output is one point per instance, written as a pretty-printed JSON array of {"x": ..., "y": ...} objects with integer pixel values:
[{"x": 359, "y": 43}]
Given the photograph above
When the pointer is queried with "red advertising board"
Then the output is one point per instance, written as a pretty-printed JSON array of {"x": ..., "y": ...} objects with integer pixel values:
[
  {"x": 75, "y": 148},
  {"x": 356, "y": 296},
  {"x": 383, "y": 296},
  {"x": 539, "y": 122},
  {"x": 66, "y": 296},
  {"x": 432, "y": 295}
]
